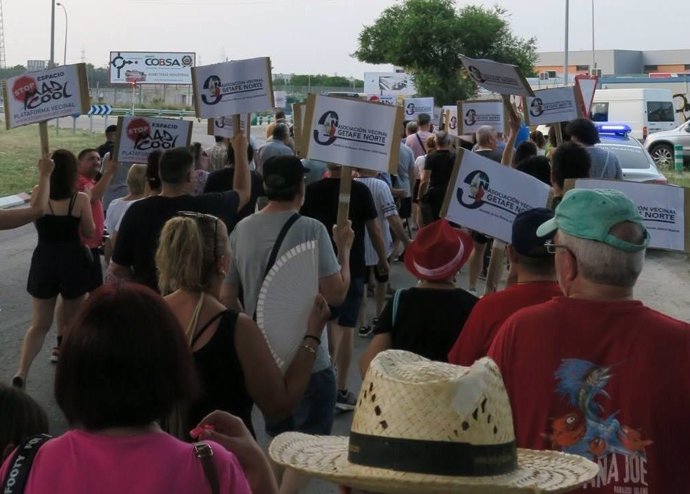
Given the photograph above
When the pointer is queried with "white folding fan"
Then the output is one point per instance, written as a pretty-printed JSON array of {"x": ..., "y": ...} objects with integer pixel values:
[{"x": 286, "y": 299}]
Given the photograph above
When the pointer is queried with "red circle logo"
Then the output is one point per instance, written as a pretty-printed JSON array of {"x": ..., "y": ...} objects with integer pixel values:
[
  {"x": 22, "y": 87},
  {"x": 138, "y": 128},
  {"x": 374, "y": 98}
]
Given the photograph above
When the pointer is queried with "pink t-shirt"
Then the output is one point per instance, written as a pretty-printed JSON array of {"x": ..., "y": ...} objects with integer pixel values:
[
  {"x": 82, "y": 462},
  {"x": 94, "y": 241}
]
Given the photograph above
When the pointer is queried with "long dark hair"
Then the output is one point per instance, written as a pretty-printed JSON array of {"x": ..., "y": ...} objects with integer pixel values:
[{"x": 63, "y": 180}]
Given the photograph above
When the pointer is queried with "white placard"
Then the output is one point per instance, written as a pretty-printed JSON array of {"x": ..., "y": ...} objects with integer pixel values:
[
  {"x": 560, "y": 104},
  {"x": 350, "y": 132},
  {"x": 417, "y": 106},
  {"x": 137, "y": 137},
  {"x": 389, "y": 83},
  {"x": 151, "y": 67},
  {"x": 452, "y": 119},
  {"x": 486, "y": 196},
  {"x": 222, "y": 126},
  {"x": 662, "y": 208},
  {"x": 475, "y": 114},
  {"x": 280, "y": 98},
  {"x": 501, "y": 78},
  {"x": 229, "y": 88},
  {"x": 40, "y": 96}
]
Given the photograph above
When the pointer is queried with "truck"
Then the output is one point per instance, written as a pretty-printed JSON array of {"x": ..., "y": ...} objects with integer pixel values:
[{"x": 645, "y": 110}]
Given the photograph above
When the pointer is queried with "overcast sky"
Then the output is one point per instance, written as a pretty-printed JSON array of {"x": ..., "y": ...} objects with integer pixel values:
[{"x": 306, "y": 36}]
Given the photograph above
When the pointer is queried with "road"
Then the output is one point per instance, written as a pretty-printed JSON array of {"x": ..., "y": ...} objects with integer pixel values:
[{"x": 663, "y": 285}]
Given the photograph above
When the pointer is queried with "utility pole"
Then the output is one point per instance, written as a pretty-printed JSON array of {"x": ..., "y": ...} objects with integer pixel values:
[
  {"x": 51, "y": 62},
  {"x": 3, "y": 59}
]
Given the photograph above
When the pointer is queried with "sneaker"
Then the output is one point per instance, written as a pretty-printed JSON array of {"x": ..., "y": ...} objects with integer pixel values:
[
  {"x": 55, "y": 354},
  {"x": 365, "y": 331},
  {"x": 346, "y": 400}
]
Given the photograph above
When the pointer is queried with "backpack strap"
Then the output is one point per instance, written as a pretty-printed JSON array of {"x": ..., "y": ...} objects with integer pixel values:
[
  {"x": 204, "y": 452},
  {"x": 20, "y": 465}
]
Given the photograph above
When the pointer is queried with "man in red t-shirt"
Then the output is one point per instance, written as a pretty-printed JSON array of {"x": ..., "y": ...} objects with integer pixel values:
[
  {"x": 597, "y": 373},
  {"x": 536, "y": 283}
]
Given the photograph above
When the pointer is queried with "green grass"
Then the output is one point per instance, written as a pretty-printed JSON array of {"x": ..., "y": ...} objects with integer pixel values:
[
  {"x": 682, "y": 179},
  {"x": 20, "y": 150}
]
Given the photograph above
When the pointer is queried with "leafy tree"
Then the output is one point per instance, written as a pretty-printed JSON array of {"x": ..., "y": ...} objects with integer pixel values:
[
  {"x": 8, "y": 72},
  {"x": 426, "y": 37}
]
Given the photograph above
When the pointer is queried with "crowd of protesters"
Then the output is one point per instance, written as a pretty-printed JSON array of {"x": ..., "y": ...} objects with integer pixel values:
[{"x": 158, "y": 343}]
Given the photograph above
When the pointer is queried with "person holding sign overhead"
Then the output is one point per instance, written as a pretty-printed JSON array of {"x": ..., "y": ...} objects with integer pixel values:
[{"x": 133, "y": 257}]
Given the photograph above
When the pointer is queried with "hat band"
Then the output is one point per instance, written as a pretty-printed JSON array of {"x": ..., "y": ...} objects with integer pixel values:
[
  {"x": 432, "y": 457},
  {"x": 441, "y": 270}
]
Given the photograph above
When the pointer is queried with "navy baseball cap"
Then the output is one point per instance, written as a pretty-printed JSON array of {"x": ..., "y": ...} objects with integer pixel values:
[
  {"x": 282, "y": 172},
  {"x": 524, "y": 238}
]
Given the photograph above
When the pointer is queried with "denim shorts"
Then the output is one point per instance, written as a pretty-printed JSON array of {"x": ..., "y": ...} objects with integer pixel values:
[
  {"x": 314, "y": 413},
  {"x": 347, "y": 314}
]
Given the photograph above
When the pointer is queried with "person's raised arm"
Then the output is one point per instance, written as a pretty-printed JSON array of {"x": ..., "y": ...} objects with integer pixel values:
[
  {"x": 275, "y": 394},
  {"x": 514, "y": 123},
  {"x": 241, "y": 183},
  {"x": 97, "y": 191},
  {"x": 41, "y": 193}
]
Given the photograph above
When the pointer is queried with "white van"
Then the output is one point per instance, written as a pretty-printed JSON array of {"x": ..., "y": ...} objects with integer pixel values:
[{"x": 645, "y": 110}]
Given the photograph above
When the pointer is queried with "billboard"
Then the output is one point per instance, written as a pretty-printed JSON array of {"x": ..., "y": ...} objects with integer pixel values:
[
  {"x": 389, "y": 83},
  {"x": 151, "y": 67}
]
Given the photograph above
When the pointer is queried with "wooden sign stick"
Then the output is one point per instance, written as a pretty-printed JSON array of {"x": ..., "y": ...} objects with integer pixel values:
[
  {"x": 344, "y": 197},
  {"x": 45, "y": 143},
  {"x": 559, "y": 133},
  {"x": 249, "y": 126}
]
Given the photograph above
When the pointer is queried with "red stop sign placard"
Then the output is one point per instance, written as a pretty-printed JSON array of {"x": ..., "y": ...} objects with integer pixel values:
[
  {"x": 22, "y": 87},
  {"x": 138, "y": 128}
]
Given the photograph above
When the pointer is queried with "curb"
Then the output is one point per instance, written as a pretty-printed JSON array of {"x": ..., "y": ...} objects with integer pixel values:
[{"x": 14, "y": 200}]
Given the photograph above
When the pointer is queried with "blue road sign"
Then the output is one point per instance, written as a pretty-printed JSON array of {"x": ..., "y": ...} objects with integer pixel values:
[{"x": 100, "y": 110}]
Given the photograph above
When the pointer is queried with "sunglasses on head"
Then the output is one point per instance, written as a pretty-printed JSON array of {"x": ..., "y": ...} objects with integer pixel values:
[{"x": 204, "y": 217}]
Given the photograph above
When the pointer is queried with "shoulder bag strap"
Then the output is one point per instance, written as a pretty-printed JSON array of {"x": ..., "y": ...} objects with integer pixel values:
[
  {"x": 204, "y": 452},
  {"x": 396, "y": 302},
  {"x": 279, "y": 241},
  {"x": 276, "y": 247},
  {"x": 191, "y": 326},
  {"x": 20, "y": 466},
  {"x": 420, "y": 142}
]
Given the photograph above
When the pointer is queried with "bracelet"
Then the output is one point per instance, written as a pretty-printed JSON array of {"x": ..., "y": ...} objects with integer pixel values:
[
  {"x": 315, "y": 338},
  {"x": 310, "y": 349}
]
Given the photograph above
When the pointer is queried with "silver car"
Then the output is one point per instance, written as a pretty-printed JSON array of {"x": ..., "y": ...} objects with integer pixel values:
[{"x": 660, "y": 145}]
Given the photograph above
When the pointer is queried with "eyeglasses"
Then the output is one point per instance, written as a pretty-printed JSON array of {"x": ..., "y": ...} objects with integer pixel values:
[
  {"x": 206, "y": 217},
  {"x": 551, "y": 247}
]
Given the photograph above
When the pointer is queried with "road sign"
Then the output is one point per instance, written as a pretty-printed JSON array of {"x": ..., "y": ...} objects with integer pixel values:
[{"x": 100, "y": 110}]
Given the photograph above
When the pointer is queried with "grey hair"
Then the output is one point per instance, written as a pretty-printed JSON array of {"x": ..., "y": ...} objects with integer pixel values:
[
  {"x": 600, "y": 263},
  {"x": 411, "y": 127},
  {"x": 281, "y": 132},
  {"x": 442, "y": 138},
  {"x": 484, "y": 134}
]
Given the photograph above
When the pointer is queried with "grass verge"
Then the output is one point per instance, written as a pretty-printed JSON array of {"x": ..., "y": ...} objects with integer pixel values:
[{"x": 20, "y": 151}]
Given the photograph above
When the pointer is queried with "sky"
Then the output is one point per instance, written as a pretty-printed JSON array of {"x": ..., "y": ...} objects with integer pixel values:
[{"x": 306, "y": 36}]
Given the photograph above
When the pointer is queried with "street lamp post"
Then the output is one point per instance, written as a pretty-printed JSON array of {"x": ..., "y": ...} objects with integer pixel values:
[
  {"x": 567, "y": 25},
  {"x": 51, "y": 63},
  {"x": 594, "y": 60},
  {"x": 64, "y": 57}
]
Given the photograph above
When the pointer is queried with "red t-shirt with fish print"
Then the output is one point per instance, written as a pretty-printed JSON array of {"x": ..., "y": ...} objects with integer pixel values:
[{"x": 608, "y": 380}]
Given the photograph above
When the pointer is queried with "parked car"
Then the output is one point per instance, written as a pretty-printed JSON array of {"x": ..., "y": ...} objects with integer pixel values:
[
  {"x": 660, "y": 145},
  {"x": 636, "y": 162}
]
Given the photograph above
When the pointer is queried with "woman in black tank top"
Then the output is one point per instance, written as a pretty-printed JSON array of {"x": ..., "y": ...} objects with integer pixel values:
[
  {"x": 232, "y": 358},
  {"x": 59, "y": 262}
]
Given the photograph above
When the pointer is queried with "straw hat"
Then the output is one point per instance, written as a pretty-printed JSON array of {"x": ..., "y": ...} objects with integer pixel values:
[
  {"x": 438, "y": 251},
  {"x": 424, "y": 426}
]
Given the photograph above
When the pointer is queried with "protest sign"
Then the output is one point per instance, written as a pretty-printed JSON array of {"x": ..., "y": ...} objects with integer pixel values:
[
  {"x": 486, "y": 196},
  {"x": 231, "y": 88},
  {"x": 145, "y": 67},
  {"x": 223, "y": 127},
  {"x": 352, "y": 133},
  {"x": 416, "y": 106},
  {"x": 474, "y": 114},
  {"x": 280, "y": 98},
  {"x": 560, "y": 104},
  {"x": 389, "y": 83},
  {"x": 501, "y": 78},
  {"x": 137, "y": 137},
  {"x": 665, "y": 209},
  {"x": 41, "y": 96},
  {"x": 450, "y": 119}
]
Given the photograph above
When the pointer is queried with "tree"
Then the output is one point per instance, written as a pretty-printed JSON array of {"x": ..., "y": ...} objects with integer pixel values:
[{"x": 426, "y": 37}]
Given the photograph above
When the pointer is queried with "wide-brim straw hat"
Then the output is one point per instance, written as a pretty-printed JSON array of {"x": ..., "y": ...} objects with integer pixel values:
[
  {"x": 438, "y": 251},
  {"x": 422, "y": 426}
]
